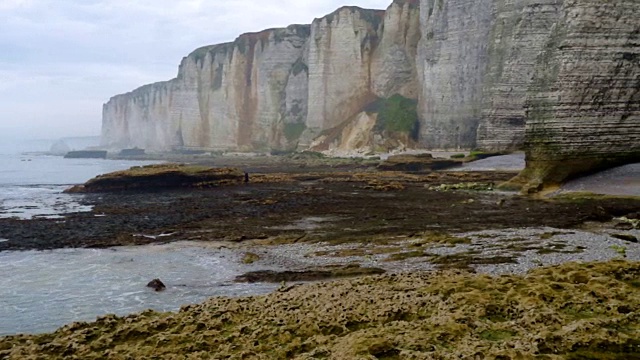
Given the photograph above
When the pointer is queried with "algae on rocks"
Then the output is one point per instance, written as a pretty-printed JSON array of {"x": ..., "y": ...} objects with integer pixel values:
[{"x": 571, "y": 311}]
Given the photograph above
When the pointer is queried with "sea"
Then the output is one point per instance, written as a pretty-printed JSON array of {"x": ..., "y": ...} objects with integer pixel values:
[{"x": 41, "y": 291}]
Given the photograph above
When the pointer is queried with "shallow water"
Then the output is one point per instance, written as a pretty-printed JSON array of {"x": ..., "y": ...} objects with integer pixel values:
[
  {"x": 43, "y": 290},
  {"x": 31, "y": 185}
]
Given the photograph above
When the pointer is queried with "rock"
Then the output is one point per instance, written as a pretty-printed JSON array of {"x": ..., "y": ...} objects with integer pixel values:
[
  {"x": 520, "y": 32},
  {"x": 623, "y": 226},
  {"x": 165, "y": 176},
  {"x": 625, "y": 237},
  {"x": 86, "y": 154},
  {"x": 627, "y": 223},
  {"x": 384, "y": 185},
  {"x": 499, "y": 75},
  {"x": 421, "y": 162},
  {"x": 330, "y": 272},
  {"x": 59, "y": 148},
  {"x": 466, "y": 186},
  {"x": 250, "y": 258},
  {"x": 452, "y": 61},
  {"x": 583, "y": 108},
  {"x": 157, "y": 285},
  {"x": 532, "y": 188}
]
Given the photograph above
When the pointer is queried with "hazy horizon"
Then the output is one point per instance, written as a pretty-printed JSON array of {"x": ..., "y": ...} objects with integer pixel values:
[
  {"x": 10, "y": 146},
  {"x": 61, "y": 60}
]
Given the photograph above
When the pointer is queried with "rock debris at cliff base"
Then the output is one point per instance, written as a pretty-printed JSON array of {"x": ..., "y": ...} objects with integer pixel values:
[{"x": 571, "y": 311}]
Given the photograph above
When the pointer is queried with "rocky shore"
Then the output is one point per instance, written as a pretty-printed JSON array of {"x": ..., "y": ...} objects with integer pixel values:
[
  {"x": 324, "y": 219},
  {"x": 572, "y": 311}
]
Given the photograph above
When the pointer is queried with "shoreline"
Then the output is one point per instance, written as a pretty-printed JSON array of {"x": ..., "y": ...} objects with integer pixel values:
[
  {"x": 554, "y": 312},
  {"x": 312, "y": 218}
]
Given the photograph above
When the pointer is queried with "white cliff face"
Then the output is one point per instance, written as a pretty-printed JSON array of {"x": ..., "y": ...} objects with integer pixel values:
[
  {"x": 558, "y": 77},
  {"x": 393, "y": 70},
  {"x": 340, "y": 51},
  {"x": 452, "y": 61},
  {"x": 130, "y": 120},
  {"x": 229, "y": 96},
  {"x": 520, "y": 32},
  {"x": 583, "y": 107},
  {"x": 276, "y": 89}
]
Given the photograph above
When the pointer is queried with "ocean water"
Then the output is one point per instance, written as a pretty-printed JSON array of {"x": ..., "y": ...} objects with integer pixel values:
[
  {"x": 32, "y": 185},
  {"x": 43, "y": 290}
]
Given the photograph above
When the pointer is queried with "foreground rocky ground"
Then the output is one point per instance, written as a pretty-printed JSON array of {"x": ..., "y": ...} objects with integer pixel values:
[
  {"x": 573, "y": 311},
  {"x": 337, "y": 218}
]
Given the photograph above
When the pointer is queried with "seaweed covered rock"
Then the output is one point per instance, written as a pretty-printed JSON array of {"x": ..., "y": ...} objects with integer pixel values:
[
  {"x": 571, "y": 311},
  {"x": 331, "y": 272},
  {"x": 157, "y": 177},
  {"x": 157, "y": 285},
  {"x": 420, "y": 162}
]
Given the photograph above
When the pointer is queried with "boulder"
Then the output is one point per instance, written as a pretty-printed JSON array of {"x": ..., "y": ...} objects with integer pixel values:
[
  {"x": 59, "y": 148},
  {"x": 158, "y": 177},
  {"x": 420, "y": 162},
  {"x": 157, "y": 285}
]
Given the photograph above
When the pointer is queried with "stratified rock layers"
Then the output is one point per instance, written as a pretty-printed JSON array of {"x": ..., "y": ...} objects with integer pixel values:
[
  {"x": 520, "y": 31},
  {"x": 452, "y": 61},
  {"x": 584, "y": 105},
  {"x": 558, "y": 77},
  {"x": 239, "y": 95},
  {"x": 275, "y": 89}
]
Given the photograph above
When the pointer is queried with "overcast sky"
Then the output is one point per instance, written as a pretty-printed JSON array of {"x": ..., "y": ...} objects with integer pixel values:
[{"x": 60, "y": 60}]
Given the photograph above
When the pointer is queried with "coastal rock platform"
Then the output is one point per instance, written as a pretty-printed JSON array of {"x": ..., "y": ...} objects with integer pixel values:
[{"x": 164, "y": 176}]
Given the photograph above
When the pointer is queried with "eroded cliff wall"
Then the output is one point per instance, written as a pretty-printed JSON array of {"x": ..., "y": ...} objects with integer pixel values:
[
  {"x": 452, "y": 61},
  {"x": 519, "y": 33},
  {"x": 275, "y": 89},
  {"x": 583, "y": 108},
  {"x": 561, "y": 77},
  {"x": 239, "y": 95}
]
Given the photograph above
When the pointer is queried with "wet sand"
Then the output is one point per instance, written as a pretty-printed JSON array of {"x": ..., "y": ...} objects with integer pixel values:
[{"x": 623, "y": 180}]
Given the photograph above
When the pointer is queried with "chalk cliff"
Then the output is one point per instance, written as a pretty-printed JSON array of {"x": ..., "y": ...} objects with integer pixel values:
[
  {"x": 273, "y": 90},
  {"x": 583, "y": 108},
  {"x": 560, "y": 78},
  {"x": 239, "y": 95}
]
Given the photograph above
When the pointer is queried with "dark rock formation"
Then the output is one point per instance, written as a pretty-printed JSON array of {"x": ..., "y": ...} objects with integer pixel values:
[
  {"x": 308, "y": 275},
  {"x": 157, "y": 285},
  {"x": 86, "y": 154},
  {"x": 166, "y": 176},
  {"x": 422, "y": 162}
]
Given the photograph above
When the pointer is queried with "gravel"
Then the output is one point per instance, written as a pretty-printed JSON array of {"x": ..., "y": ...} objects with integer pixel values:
[{"x": 528, "y": 247}]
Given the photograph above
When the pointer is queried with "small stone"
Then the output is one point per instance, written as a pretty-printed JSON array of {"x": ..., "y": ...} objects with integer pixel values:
[
  {"x": 634, "y": 216},
  {"x": 623, "y": 226},
  {"x": 156, "y": 285},
  {"x": 626, "y": 237}
]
